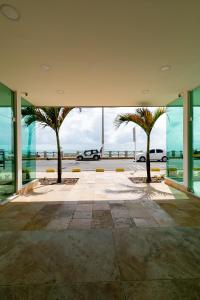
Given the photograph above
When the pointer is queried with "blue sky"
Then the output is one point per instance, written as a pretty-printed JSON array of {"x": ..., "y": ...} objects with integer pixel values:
[{"x": 82, "y": 130}]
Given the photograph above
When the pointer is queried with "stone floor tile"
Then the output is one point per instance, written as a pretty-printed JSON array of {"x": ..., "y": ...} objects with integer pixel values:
[
  {"x": 97, "y": 291},
  {"x": 65, "y": 212},
  {"x": 161, "y": 217},
  {"x": 184, "y": 213},
  {"x": 85, "y": 202},
  {"x": 33, "y": 257},
  {"x": 83, "y": 214},
  {"x": 100, "y": 206},
  {"x": 139, "y": 213},
  {"x": 80, "y": 223},
  {"x": 42, "y": 218},
  {"x": 116, "y": 201},
  {"x": 102, "y": 219},
  {"x": 85, "y": 207},
  {"x": 148, "y": 222},
  {"x": 123, "y": 222},
  {"x": 162, "y": 289},
  {"x": 120, "y": 213},
  {"x": 66, "y": 208},
  {"x": 158, "y": 253},
  {"x": 17, "y": 215},
  {"x": 61, "y": 223}
]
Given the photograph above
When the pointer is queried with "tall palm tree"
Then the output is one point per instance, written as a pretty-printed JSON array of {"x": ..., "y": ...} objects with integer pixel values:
[
  {"x": 52, "y": 117},
  {"x": 146, "y": 120}
]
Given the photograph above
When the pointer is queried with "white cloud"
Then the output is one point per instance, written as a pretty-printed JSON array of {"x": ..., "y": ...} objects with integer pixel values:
[{"x": 82, "y": 130}]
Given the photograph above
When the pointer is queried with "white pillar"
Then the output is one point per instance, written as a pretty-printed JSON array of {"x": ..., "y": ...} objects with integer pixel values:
[{"x": 18, "y": 141}]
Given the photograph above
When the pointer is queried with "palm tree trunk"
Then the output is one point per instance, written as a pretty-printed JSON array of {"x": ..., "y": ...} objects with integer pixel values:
[
  {"x": 59, "y": 164},
  {"x": 148, "y": 166}
]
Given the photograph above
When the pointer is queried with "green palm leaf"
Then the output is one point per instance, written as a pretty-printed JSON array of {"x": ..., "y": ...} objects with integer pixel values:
[
  {"x": 146, "y": 119},
  {"x": 52, "y": 117}
]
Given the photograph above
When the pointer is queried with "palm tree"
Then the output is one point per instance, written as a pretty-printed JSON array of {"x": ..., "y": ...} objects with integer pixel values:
[
  {"x": 146, "y": 120},
  {"x": 52, "y": 117}
]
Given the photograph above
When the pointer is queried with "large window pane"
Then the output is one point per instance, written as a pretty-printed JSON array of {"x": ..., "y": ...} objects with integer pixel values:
[
  {"x": 28, "y": 148},
  {"x": 7, "y": 160},
  {"x": 175, "y": 140},
  {"x": 196, "y": 141}
]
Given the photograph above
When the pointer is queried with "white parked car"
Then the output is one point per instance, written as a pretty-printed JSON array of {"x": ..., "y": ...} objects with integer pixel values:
[
  {"x": 89, "y": 154},
  {"x": 155, "y": 154}
]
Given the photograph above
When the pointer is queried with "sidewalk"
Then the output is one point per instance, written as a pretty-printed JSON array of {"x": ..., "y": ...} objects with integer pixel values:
[{"x": 107, "y": 185}]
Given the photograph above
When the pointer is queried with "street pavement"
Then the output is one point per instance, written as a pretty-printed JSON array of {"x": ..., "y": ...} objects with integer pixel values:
[{"x": 108, "y": 165}]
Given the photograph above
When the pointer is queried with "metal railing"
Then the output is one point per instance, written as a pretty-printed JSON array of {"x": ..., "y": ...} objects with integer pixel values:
[
  {"x": 175, "y": 154},
  {"x": 107, "y": 154},
  {"x": 65, "y": 155}
]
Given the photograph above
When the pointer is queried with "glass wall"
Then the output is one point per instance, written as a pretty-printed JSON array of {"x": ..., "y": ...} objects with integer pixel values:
[
  {"x": 28, "y": 147},
  {"x": 195, "y": 143},
  {"x": 174, "y": 142},
  {"x": 7, "y": 152}
]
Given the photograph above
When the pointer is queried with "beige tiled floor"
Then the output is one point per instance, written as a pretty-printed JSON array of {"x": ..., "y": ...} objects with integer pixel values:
[{"x": 103, "y": 238}]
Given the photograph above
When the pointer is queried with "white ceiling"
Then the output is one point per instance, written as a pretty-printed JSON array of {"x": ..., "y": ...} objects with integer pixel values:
[{"x": 101, "y": 53}]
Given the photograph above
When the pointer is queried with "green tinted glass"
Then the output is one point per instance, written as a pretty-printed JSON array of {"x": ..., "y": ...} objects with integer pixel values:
[
  {"x": 7, "y": 153},
  {"x": 195, "y": 153},
  {"x": 28, "y": 148},
  {"x": 174, "y": 143}
]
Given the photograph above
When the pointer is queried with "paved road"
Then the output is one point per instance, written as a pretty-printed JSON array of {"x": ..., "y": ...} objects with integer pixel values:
[{"x": 108, "y": 165}]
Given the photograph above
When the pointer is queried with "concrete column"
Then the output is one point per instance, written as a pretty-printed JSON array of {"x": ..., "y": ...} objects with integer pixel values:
[
  {"x": 18, "y": 142},
  {"x": 187, "y": 141}
]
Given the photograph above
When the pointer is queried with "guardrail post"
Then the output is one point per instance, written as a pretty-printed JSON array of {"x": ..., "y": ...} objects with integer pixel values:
[{"x": 45, "y": 154}]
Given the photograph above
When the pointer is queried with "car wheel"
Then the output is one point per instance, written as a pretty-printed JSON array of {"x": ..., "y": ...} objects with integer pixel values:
[
  {"x": 142, "y": 159},
  {"x": 95, "y": 157},
  {"x": 80, "y": 158},
  {"x": 164, "y": 159}
]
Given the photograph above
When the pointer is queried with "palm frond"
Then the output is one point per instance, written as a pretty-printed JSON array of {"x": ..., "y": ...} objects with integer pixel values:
[
  {"x": 126, "y": 118},
  {"x": 145, "y": 114},
  {"x": 52, "y": 117},
  {"x": 157, "y": 114},
  {"x": 142, "y": 117},
  {"x": 63, "y": 112}
]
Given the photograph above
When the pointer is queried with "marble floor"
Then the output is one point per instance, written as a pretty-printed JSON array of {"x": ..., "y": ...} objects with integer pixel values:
[{"x": 143, "y": 242}]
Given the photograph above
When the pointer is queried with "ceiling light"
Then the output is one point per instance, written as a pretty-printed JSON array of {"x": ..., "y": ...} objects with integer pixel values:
[
  {"x": 45, "y": 67},
  {"x": 60, "y": 92},
  {"x": 9, "y": 12},
  {"x": 146, "y": 91},
  {"x": 165, "y": 68}
]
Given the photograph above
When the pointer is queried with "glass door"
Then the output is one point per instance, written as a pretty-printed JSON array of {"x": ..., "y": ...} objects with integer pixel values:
[{"x": 7, "y": 153}]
